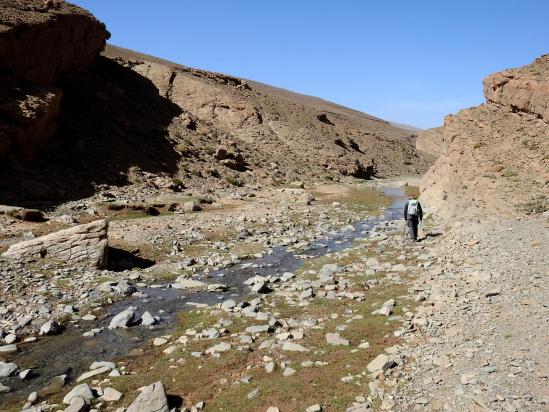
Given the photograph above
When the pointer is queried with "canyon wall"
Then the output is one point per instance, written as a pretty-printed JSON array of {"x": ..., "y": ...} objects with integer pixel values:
[
  {"x": 494, "y": 158},
  {"x": 39, "y": 42}
]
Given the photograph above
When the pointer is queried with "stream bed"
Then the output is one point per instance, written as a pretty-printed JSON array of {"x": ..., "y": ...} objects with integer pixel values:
[{"x": 71, "y": 354}]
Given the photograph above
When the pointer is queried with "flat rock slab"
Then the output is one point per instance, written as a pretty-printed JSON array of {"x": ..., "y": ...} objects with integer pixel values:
[
  {"x": 188, "y": 284},
  {"x": 82, "y": 244},
  {"x": 293, "y": 347},
  {"x": 92, "y": 373},
  {"x": 381, "y": 362},
  {"x": 336, "y": 340},
  {"x": 7, "y": 369}
]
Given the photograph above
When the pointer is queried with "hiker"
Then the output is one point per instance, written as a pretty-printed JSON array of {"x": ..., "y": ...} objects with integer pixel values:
[{"x": 413, "y": 215}]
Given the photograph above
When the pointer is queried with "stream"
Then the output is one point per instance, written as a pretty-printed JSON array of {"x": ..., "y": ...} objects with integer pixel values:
[{"x": 71, "y": 354}]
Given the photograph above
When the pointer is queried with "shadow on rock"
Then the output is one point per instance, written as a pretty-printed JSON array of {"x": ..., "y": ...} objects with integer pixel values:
[
  {"x": 174, "y": 401},
  {"x": 112, "y": 122}
]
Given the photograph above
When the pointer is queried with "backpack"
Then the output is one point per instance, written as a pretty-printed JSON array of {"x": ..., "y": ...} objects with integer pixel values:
[{"x": 413, "y": 206}]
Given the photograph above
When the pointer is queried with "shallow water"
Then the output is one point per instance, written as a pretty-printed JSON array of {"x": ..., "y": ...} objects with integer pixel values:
[{"x": 70, "y": 353}]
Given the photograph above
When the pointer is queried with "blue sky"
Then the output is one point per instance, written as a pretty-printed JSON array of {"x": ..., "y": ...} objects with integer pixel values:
[{"x": 409, "y": 61}]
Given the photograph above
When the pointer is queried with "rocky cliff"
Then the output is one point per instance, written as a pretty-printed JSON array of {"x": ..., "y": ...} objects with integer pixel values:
[
  {"x": 494, "y": 158},
  {"x": 525, "y": 89},
  {"x": 39, "y": 42}
]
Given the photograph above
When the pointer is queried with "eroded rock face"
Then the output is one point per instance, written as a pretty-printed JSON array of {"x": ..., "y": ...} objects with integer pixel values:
[
  {"x": 40, "y": 40},
  {"x": 83, "y": 244},
  {"x": 493, "y": 158},
  {"x": 524, "y": 89},
  {"x": 30, "y": 115}
]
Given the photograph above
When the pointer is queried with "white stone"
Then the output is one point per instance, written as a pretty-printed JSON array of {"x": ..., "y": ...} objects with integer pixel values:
[
  {"x": 111, "y": 395},
  {"x": 336, "y": 340},
  {"x": 151, "y": 399},
  {"x": 293, "y": 347}
]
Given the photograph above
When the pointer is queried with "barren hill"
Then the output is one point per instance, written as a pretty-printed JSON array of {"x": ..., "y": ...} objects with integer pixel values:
[
  {"x": 73, "y": 122},
  {"x": 494, "y": 157}
]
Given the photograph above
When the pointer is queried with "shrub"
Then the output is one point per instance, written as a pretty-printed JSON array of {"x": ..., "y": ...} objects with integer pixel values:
[
  {"x": 209, "y": 149},
  {"x": 233, "y": 181},
  {"x": 508, "y": 173},
  {"x": 536, "y": 205},
  {"x": 177, "y": 181}
]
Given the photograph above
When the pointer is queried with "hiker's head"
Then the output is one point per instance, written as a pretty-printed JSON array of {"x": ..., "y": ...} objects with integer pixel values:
[{"x": 412, "y": 196}]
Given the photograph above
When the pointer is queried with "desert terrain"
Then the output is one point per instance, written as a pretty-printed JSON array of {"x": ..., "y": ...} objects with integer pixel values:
[{"x": 173, "y": 239}]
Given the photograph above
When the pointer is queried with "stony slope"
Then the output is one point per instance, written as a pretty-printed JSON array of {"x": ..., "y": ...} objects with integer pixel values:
[
  {"x": 494, "y": 157},
  {"x": 429, "y": 141},
  {"x": 295, "y": 135},
  {"x": 85, "y": 123}
]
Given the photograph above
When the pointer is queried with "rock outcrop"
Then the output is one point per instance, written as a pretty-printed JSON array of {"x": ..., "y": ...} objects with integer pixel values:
[
  {"x": 525, "y": 89},
  {"x": 494, "y": 158},
  {"x": 83, "y": 244},
  {"x": 39, "y": 42}
]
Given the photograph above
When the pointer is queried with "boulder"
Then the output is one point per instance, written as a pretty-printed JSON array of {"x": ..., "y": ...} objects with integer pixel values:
[
  {"x": 147, "y": 319},
  {"x": 381, "y": 362},
  {"x": 50, "y": 327},
  {"x": 82, "y": 391},
  {"x": 5, "y": 349},
  {"x": 123, "y": 319},
  {"x": 229, "y": 304},
  {"x": 151, "y": 399},
  {"x": 77, "y": 404},
  {"x": 183, "y": 283},
  {"x": 111, "y": 395},
  {"x": 82, "y": 244},
  {"x": 261, "y": 287},
  {"x": 336, "y": 340},
  {"x": 7, "y": 369}
]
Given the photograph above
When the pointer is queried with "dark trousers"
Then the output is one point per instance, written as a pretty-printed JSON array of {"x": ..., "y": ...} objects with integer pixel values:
[{"x": 412, "y": 223}]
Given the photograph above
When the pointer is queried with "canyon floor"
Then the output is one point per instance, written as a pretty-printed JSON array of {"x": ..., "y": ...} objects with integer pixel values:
[{"x": 295, "y": 297}]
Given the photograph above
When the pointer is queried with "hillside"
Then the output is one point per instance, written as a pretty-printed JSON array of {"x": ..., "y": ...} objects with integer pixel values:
[
  {"x": 75, "y": 122},
  {"x": 493, "y": 159}
]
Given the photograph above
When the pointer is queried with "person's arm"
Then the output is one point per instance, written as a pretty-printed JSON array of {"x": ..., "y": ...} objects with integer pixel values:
[{"x": 406, "y": 211}]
